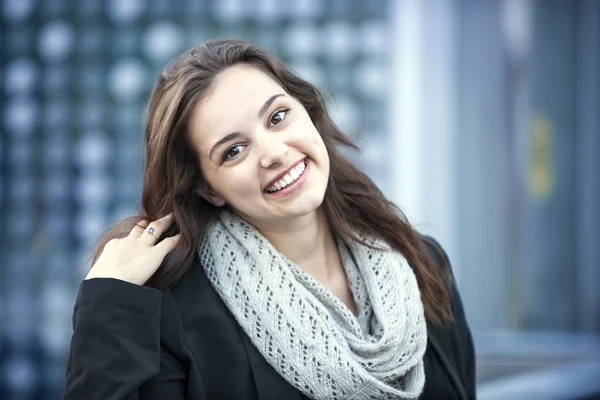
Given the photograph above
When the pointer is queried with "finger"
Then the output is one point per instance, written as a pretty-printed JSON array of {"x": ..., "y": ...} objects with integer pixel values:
[
  {"x": 150, "y": 235},
  {"x": 164, "y": 223},
  {"x": 138, "y": 229},
  {"x": 167, "y": 245},
  {"x": 155, "y": 229}
]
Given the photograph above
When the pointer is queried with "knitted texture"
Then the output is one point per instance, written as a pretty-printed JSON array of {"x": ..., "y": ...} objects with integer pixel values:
[{"x": 305, "y": 332}]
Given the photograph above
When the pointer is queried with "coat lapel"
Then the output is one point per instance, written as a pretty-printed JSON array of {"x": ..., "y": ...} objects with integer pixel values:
[{"x": 269, "y": 384}]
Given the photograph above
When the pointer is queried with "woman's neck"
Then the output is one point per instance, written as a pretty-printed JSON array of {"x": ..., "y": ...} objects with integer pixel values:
[{"x": 309, "y": 243}]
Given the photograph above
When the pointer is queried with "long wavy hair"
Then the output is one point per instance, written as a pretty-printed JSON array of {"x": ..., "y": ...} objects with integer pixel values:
[{"x": 173, "y": 179}]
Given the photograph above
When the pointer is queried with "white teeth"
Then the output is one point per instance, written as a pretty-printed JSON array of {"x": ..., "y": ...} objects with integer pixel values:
[{"x": 288, "y": 178}]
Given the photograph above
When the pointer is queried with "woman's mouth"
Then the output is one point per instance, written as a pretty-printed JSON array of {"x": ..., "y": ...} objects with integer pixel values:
[{"x": 289, "y": 180}]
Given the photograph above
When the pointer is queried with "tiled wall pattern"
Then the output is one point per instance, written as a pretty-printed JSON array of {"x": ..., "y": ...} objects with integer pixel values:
[{"x": 75, "y": 77}]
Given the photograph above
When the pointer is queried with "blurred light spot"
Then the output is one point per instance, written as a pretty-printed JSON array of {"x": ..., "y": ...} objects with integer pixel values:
[
  {"x": 54, "y": 327},
  {"x": 541, "y": 160},
  {"x": 125, "y": 11},
  {"x": 55, "y": 40},
  {"x": 20, "y": 116},
  {"x": 301, "y": 39},
  {"x": 340, "y": 39},
  {"x": 21, "y": 75},
  {"x": 93, "y": 189},
  {"x": 517, "y": 25},
  {"x": 229, "y": 10},
  {"x": 372, "y": 149},
  {"x": 370, "y": 78},
  {"x": 309, "y": 71},
  {"x": 126, "y": 79},
  {"x": 89, "y": 224},
  {"x": 162, "y": 41},
  {"x": 345, "y": 113},
  {"x": 19, "y": 374},
  {"x": 373, "y": 38},
  {"x": 307, "y": 8},
  {"x": 92, "y": 150},
  {"x": 123, "y": 211},
  {"x": 269, "y": 39},
  {"x": 269, "y": 10},
  {"x": 17, "y": 10}
]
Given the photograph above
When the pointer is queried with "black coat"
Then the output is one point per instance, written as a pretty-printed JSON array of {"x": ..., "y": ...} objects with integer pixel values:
[{"x": 132, "y": 342}]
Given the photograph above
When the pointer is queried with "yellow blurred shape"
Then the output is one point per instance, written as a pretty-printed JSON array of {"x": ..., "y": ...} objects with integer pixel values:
[{"x": 541, "y": 171}]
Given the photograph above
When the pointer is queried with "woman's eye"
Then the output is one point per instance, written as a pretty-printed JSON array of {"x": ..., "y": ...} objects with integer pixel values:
[
  {"x": 233, "y": 152},
  {"x": 278, "y": 117}
]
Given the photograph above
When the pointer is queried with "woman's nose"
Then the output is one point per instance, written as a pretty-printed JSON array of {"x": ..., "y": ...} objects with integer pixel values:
[{"x": 273, "y": 150}]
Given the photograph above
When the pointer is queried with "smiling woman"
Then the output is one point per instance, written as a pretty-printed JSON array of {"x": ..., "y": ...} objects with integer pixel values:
[
  {"x": 272, "y": 135},
  {"x": 265, "y": 265}
]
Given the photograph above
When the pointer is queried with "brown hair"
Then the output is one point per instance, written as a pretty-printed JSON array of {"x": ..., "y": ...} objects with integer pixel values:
[{"x": 172, "y": 176}]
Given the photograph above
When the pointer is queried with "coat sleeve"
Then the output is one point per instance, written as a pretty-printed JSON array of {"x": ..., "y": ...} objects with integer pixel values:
[{"x": 116, "y": 345}]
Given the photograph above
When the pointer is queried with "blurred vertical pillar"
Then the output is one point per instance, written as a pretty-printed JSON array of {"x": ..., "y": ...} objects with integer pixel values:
[
  {"x": 517, "y": 23},
  {"x": 483, "y": 150},
  {"x": 406, "y": 107},
  {"x": 423, "y": 117},
  {"x": 588, "y": 165},
  {"x": 551, "y": 287}
]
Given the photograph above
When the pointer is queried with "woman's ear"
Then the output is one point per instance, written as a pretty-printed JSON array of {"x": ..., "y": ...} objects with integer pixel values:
[{"x": 209, "y": 195}]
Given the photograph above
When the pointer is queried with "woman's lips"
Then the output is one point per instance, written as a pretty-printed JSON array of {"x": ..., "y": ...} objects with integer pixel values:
[{"x": 297, "y": 184}]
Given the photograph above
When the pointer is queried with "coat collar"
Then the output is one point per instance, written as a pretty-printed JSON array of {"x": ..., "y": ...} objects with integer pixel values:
[{"x": 269, "y": 384}]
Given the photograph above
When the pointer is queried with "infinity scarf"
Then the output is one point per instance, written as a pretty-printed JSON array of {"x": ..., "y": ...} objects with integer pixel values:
[{"x": 305, "y": 332}]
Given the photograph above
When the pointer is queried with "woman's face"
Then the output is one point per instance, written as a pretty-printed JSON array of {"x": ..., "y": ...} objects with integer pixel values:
[{"x": 259, "y": 150}]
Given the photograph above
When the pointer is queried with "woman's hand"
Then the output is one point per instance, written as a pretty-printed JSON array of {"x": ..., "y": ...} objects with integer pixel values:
[{"x": 136, "y": 257}]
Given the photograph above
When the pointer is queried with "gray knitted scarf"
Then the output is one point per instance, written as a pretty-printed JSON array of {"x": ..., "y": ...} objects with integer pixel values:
[{"x": 305, "y": 332}]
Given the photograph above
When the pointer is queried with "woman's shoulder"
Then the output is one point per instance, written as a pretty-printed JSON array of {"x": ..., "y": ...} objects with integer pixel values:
[
  {"x": 436, "y": 251},
  {"x": 195, "y": 298},
  {"x": 454, "y": 339},
  {"x": 444, "y": 266}
]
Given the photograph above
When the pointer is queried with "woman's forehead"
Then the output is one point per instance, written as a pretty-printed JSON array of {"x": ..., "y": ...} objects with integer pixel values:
[
  {"x": 242, "y": 83},
  {"x": 235, "y": 98}
]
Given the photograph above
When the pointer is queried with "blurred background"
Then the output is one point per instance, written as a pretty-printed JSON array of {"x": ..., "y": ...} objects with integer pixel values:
[{"x": 481, "y": 119}]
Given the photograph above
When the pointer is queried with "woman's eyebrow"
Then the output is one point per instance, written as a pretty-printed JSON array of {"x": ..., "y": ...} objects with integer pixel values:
[
  {"x": 235, "y": 135},
  {"x": 223, "y": 140},
  {"x": 265, "y": 106}
]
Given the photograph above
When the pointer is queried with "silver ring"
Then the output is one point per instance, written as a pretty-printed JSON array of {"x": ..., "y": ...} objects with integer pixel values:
[{"x": 151, "y": 231}]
